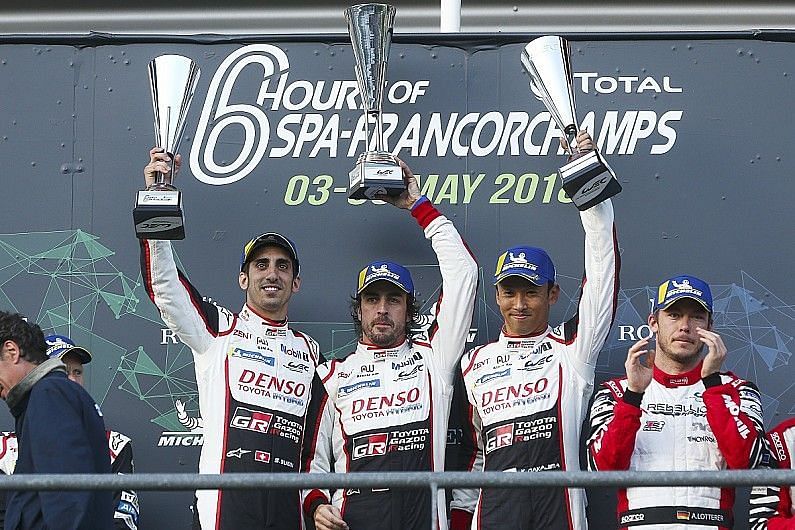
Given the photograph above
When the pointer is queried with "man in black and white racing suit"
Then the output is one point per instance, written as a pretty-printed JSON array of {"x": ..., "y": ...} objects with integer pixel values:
[
  {"x": 254, "y": 374},
  {"x": 384, "y": 406},
  {"x": 528, "y": 392}
]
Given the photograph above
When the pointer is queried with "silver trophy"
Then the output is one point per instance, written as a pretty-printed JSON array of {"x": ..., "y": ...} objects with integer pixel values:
[
  {"x": 158, "y": 209},
  {"x": 370, "y": 27},
  {"x": 587, "y": 179}
]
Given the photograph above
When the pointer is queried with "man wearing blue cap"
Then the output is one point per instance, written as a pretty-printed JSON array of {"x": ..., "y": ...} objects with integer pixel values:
[
  {"x": 384, "y": 406},
  {"x": 125, "y": 502},
  {"x": 675, "y": 411},
  {"x": 528, "y": 391},
  {"x": 254, "y": 373},
  {"x": 59, "y": 429}
]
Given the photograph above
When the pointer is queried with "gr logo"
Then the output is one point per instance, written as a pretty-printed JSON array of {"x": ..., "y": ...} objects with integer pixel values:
[
  {"x": 499, "y": 437},
  {"x": 370, "y": 445},
  {"x": 251, "y": 420}
]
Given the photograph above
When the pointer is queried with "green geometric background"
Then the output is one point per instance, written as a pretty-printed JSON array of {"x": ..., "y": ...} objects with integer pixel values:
[{"x": 71, "y": 273}]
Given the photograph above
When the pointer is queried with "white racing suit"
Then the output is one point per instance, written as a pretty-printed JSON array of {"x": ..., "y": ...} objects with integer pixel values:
[
  {"x": 528, "y": 396},
  {"x": 254, "y": 378},
  {"x": 386, "y": 409}
]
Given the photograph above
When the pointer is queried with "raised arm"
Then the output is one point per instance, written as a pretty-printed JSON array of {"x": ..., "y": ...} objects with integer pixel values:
[
  {"x": 181, "y": 307},
  {"x": 459, "y": 270}
]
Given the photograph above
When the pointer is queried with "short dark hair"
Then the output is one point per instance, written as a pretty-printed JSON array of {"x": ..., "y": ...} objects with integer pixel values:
[
  {"x": 27, "y": 335},
  {"x": 412, "y": 310}
]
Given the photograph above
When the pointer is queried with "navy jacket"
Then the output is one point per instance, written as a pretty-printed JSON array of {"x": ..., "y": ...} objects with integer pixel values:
[{"x": 60, "y": 430}]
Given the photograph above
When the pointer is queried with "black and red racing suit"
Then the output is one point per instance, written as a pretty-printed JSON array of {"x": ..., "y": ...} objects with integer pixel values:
[{"x": 679, "y": 423}]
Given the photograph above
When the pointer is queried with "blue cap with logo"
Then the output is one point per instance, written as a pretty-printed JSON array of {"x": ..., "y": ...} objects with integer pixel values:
[
  {"x": 60, "y": 345},
  {"x": 683, "y": 286},
  {"x": 388, "y": 271},
  {"x": 269, "y": 238},
  {"x": 530, "y": 263}
]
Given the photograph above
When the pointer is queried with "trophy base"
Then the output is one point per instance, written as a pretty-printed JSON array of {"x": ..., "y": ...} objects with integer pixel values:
[
  {"x": 376, "y": 174},
  {"x": 588, "y": 180},
  {"x": 158, "y": 215}
]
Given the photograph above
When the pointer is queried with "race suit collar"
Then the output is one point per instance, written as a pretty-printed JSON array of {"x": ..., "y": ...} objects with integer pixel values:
[
  {"x": 249, "y": 314},
  {"x": 674, "y": 380},
  {"x": 504, "y": 335},
  {"x": 377, "y": 352}
]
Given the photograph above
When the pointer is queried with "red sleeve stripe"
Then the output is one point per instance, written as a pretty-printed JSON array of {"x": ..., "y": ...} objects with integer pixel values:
[
  {"x": 435, "y": 324},
  {"x": 617, "y": 281},
  {"x": 146, "y": 266},
  {"x": 315, "y": 432},
  {"x": 473, "y": 437},
  {"x": 424, "y": 213},
  {"x": 330, "y": 370},
  {"x": 312, "y": 497},
  {"x": 472, "y": 359}
]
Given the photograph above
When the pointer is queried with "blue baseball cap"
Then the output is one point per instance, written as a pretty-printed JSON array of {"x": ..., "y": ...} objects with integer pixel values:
[
  {"x": 530, "y": 263},
  {"x": 60, "y": 345},
  {"x": 269, "y": 238},
  {"x": 683, "y": 286},
  {"x": 388, "y": 271}
]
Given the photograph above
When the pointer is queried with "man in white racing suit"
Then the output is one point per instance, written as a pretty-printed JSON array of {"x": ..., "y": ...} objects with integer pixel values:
[
  {"x": 528, "y": 392},
  {"x": 384, "y": 407},
  {"x": 254, "y": 373},
  {"x": 676, "y": 411}
]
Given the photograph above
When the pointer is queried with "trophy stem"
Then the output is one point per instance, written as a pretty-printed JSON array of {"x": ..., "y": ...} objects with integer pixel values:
[
  {"x": 379, "y": 132},
  {"x": 165, "y": 179}
]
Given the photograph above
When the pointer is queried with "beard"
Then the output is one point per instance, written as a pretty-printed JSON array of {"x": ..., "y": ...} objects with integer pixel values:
[{"x": 384, "y": 337}]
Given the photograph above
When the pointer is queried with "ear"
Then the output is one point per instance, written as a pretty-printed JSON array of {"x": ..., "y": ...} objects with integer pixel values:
[
  {"x": 10, "y": 350},
  {"x": 242, "y": 280},
  {"x": 554, "y": 294},
  {"x": 652, "y": 320},
  {"x": 296, "y": 284}
]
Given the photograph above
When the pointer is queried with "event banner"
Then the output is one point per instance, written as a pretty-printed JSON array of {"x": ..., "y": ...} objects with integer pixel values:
[{"x": 695, "y": 127}]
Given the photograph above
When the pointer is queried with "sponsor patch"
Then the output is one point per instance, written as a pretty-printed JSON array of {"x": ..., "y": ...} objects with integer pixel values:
[
  {"x": 251, "y": 420},
  {"x": 254, "y": 356},
  {"x": 485, "y": 378},
  {"x": 499, "y": 437},
  {"x": 355, "y": 387}
]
